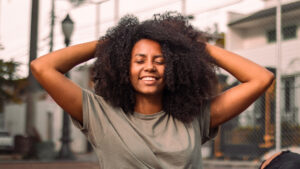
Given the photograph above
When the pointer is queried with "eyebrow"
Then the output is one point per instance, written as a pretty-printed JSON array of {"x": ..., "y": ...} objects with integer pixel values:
[{"x": 143, "y": 55}]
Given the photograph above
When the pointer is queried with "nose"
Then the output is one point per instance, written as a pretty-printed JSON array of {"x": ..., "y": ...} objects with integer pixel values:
[{"x": 150, "y": 67}]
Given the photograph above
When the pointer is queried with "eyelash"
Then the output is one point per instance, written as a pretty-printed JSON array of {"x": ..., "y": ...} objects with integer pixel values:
[
  {"x": 139, "y": 61},
  {"x": 158, "y": 62}
]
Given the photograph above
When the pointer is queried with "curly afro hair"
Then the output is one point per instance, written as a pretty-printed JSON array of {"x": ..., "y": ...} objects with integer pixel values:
[{"x": 190, "y": 76}]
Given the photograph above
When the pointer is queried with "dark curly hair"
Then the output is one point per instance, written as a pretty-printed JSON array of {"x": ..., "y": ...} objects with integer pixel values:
[{"x": 190, "y": 76}]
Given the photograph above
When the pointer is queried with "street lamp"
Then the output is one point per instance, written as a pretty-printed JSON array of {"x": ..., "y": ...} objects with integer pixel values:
[
  {"x": 67, "y": 28},
  {"x": 65, "y": 151}
]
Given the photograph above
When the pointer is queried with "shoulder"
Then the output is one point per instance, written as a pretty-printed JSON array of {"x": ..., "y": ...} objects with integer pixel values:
[{"x": 91, "y": 98}]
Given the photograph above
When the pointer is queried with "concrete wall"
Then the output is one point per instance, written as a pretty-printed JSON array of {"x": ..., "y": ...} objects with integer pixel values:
[
  {"x": 265, "y": 55},
  {"x": 15, "y": 116},
  {"x": 254, "y": 37}
]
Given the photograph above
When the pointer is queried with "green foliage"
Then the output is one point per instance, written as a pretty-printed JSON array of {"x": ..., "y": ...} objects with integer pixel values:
[
  {"x": 9, "y": 81},
  {"x": 8, "y": 71}
]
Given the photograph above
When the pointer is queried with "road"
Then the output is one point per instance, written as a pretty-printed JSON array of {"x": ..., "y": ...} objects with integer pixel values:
[
  {"x": 89, "y": 161},
  {"x": 49, "y": 165},
  {"x": 94, "y": 165}
]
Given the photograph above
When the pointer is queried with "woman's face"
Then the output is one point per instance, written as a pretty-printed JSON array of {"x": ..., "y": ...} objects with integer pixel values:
[{"x": 147, "y": 67}]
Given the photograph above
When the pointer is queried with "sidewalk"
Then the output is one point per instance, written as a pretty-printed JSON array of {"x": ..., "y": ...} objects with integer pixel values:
[
  {"x": 49, "y": 165},
  {"x": 89, "y": 161},
  {"x": 226, "y": 164},
  {"x": 83, "y": 161}
]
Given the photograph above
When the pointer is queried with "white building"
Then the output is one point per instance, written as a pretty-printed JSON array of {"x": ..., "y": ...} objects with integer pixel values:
[
  {"x": 254, "y": 37},
  {"x": 48, "y": 118}
]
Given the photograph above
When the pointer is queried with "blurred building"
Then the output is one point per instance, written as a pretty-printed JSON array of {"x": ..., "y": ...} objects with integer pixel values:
[
  {"x": 48, "y": 120},
  {"x": 254, "y": 37}
]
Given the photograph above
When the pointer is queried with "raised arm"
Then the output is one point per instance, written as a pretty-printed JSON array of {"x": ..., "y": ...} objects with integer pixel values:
[
  {"x": 49, "y": 71},
  {"x": 254, "y": 81}
]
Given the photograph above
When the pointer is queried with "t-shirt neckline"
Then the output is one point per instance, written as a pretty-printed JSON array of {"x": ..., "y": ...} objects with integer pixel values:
[{"x": 148, "y": 116}]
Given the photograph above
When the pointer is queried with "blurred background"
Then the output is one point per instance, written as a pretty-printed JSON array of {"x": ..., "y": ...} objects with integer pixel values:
[{"x": 34, "y": 129}]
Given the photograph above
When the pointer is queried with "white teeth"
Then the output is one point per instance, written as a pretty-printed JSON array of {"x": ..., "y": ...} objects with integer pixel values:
[{"x": 148, "y": 78}]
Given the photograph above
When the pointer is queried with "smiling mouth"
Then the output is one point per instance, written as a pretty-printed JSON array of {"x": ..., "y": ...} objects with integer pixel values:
[{"x": 149, "y": 80}]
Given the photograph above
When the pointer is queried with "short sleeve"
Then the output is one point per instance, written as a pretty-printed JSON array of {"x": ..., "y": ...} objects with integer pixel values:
[
  {"x": 93, "y": 116},
  {"x": 85, "y": 99},
  {"x": 207, "y": 133}
]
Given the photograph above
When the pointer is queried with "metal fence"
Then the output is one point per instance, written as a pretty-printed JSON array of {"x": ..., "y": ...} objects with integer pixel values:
[{"x": 253, "y": 133}]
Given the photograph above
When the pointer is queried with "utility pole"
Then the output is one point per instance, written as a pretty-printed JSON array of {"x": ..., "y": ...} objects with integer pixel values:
[
  {"x": 1, "y": 45},
  {"x": 278, "y": 76},
  {"x": 52, "y": 25},
  {"x": 183, "y": 7},
  {"x": 97, "y": 22},
  {"x": 32, "y": 84}
]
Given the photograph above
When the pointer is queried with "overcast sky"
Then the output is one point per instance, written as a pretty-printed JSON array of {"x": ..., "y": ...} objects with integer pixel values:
[{"x": 15, "y": 20}]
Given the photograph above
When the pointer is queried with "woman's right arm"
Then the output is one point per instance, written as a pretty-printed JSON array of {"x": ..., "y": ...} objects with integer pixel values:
[{"x": 49, "y": 71}]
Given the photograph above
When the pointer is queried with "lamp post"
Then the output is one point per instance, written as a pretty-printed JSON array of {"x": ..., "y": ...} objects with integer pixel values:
[{"x": 65, "y": 151}]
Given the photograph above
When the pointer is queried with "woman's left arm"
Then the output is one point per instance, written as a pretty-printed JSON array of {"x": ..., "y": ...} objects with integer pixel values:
[{"x": 254, "y": 81}]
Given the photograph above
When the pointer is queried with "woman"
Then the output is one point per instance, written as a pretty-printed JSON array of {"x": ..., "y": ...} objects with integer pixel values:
[{"x": 155, "y": 84}]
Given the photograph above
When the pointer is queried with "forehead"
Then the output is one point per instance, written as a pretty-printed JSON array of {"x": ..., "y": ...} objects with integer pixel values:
[{"x": 146, "y": 45}]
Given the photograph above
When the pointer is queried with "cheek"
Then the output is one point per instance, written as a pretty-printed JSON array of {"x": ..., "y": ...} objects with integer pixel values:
[
  {"x": 133, "y": 73},
  {"x": 161, "y": 70}
]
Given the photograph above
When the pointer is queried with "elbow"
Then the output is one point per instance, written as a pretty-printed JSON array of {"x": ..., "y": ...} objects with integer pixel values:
[
  {"x": 267, "y": 78},
  {"x": 270, "y": 77},
  {"x": 34, "y": 66}
]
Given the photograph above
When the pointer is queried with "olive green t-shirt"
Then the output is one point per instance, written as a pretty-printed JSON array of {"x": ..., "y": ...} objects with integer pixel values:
[{"x": 156, "y": 141}]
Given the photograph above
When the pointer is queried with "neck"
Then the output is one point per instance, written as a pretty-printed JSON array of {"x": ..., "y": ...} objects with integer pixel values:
[{"x": 148, "y": 104}]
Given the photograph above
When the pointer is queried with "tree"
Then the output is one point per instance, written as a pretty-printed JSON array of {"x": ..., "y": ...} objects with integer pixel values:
[{"x": 11, "y": 84}]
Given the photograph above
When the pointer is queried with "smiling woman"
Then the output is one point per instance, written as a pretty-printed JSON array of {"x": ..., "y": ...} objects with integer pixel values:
[
  {"x": 188, "y": 76},
  {"x": 155, "y": 100}
]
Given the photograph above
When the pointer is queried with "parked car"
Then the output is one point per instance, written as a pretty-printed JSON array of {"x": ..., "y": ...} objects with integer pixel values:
[{"x": 6, "y": 142}]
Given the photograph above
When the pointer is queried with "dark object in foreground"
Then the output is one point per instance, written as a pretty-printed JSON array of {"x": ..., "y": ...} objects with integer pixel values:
[{"x": 286, "y": 160}]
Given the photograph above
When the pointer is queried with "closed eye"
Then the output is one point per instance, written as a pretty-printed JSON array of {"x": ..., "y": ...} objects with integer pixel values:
[
  {"x": 159, "y": 60},
  {"x": 139, "y": 61}
]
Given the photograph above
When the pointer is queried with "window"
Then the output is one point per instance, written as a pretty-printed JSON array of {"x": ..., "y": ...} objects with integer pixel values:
[
  {"x": 271, "y": 35},
  {"x": 289, "y": 93},
  {"x": 288, "y": 32}
]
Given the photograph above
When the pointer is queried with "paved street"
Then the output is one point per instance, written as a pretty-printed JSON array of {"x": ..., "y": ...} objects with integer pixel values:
[
  {"x": 49, "y": 165},
  {"x": 89, "y": 161},
  {"x": 94, "y": 165}
]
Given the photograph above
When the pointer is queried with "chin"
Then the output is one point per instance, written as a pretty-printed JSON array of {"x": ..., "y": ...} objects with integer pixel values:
[{"x": 150, "y": 92}]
